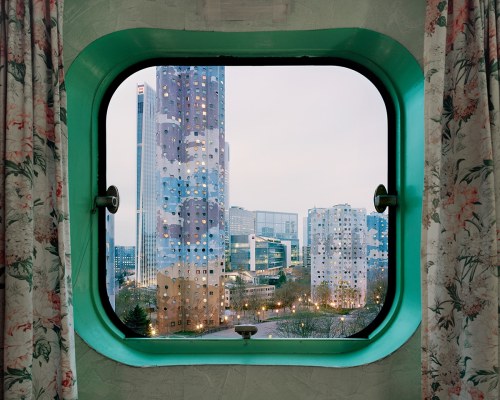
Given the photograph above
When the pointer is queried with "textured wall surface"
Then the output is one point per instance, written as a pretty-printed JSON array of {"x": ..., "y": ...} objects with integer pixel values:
[
  {"x": 394, "y": 378},
  {"x": 85, "y": 21},
  {"x": 397, "y": 376}
]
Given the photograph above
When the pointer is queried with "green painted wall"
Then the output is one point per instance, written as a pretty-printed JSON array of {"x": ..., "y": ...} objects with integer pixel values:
[{"x": 397, "y": 376}]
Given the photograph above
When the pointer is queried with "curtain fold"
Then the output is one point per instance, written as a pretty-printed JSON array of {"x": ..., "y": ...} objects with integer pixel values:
[
  {"x": 35, "y": 270},
  {"x": 461, "y": 206}
]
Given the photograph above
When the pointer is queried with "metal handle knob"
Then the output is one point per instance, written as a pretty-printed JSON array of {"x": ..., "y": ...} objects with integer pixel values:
[
  {"x": 382, "y": 200},
  {"x": 111, "y": 200}
]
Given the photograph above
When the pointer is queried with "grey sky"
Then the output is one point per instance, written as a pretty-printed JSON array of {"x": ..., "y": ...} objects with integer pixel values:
[{"x": 299, "y": 137}]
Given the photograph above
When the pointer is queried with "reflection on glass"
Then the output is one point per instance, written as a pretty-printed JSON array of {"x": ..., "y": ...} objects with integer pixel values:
[{"x": 207, "y": 235}]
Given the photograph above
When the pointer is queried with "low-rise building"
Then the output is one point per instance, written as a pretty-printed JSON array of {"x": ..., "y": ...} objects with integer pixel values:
[{"x": 244, "y": 294}]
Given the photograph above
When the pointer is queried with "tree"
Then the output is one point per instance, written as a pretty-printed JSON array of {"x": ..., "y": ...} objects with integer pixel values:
[
  {"x": 129, "y": 296},
  {"x": 303, "y": 281},
  {"x": 238, "y": 294},
  {"x": 300, "y": 325},
  {"x": 287, "y": 294},
  {"x": 137, "y": 320},
  {"x": 255, "y": 302},
  {"x": 323, "y": 293},
  {"x": 377, "y": 290},
  {"x": 306, "y": 325},
  {"x": 346, "y": 295},
  {"x": 281, "y": 279}
]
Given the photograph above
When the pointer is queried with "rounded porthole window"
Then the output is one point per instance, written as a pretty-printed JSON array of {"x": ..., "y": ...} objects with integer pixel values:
[{"x": 396, "y": 74}]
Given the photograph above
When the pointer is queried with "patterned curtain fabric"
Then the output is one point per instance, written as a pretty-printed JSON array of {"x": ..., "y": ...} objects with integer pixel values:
[
  {"x": 35, "y": 287},
  {"x": 460, "y": 258}
]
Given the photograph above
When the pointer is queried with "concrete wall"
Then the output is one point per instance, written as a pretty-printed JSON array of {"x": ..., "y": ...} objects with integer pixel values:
[{"x": 397, "y": 376}]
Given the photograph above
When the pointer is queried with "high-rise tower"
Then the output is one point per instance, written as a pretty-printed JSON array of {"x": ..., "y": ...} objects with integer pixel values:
[
  {"x": 146, "y": 193},
  {"x": 338, "y": 253},
  {"x": 191, "y": 195}
]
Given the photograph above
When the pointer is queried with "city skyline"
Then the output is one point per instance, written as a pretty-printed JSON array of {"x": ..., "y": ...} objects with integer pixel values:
[{"x": 262, "y": 175}]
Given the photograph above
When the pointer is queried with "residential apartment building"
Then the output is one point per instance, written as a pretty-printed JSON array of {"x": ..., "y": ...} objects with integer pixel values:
[
  {"x": 191, "y": 193},
  {"x": 338, "y": 253}
]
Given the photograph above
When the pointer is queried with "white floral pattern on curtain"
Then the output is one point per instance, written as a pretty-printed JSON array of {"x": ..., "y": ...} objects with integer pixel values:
[
  {"x": 35, "y": 291},
  {"x": 461, "y": 201}
]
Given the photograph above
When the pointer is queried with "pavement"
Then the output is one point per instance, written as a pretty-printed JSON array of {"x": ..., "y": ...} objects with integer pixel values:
[{"x": 266, "y": 330}]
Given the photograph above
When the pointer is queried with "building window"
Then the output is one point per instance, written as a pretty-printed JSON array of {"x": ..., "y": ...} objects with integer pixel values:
[{"x": 404, "y": 91}]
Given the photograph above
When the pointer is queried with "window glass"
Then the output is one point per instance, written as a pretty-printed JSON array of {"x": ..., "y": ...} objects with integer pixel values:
[{"x": 246, "y": 196}]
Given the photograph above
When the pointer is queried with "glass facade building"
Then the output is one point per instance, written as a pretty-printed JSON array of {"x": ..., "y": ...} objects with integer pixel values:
[
  {"x": 241, "y": 221},
  {"x": 256, "y": 253},
  {"x": 124, "y": 260},
  {"x": 279, "y": 225},
  {"x": 146, "y": 191}
]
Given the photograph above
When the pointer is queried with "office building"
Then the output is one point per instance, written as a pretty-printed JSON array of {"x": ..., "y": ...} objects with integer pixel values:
[
  {"x": 146, "y": 192},
  {"x": 279, "y": 225},
  {"x": 124, "y": 260},
  {"x": 241, "y": 221},
  {"x": 256, "y": 253}
]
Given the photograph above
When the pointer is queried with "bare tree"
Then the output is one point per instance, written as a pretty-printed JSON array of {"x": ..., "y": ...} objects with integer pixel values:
[
  {"x": 287, "y": 294},
  {"x": 323, "y": 293},
  {"x": 238, "y": 294},
  {"x": 346, "y": 295},
  {"x": 255, "y": 302},
  {"x": 377, "y": 290}
]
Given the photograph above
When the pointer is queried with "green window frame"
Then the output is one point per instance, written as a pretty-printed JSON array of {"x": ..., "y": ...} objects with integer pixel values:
[{"x": 96, "y": 69}]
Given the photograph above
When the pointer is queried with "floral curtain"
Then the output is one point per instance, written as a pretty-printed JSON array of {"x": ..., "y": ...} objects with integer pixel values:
[
  {"x": 460, "y": 248},
  {"x": 35, "y": 289}
]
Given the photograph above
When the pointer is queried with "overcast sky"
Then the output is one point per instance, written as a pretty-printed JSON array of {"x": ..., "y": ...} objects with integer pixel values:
[{"x": 299, "y": 136}]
